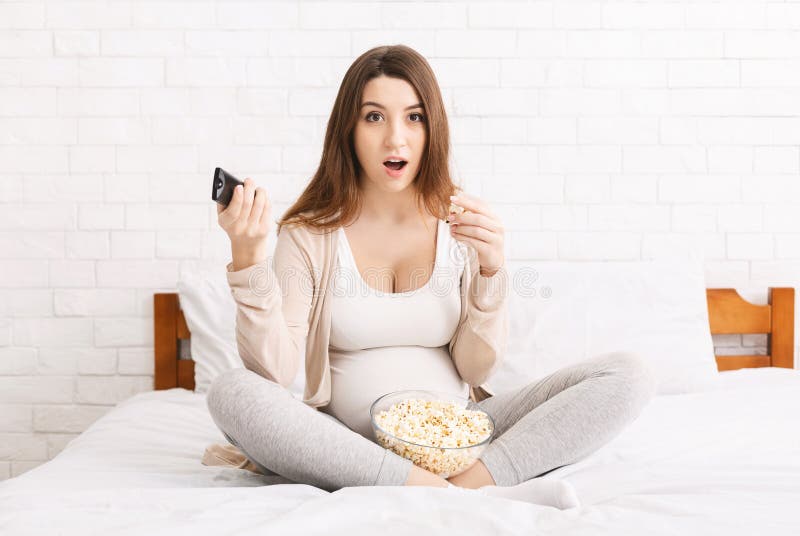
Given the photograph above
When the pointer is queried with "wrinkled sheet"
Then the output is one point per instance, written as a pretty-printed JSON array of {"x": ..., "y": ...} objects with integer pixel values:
[{"x": 720, "y": 462}]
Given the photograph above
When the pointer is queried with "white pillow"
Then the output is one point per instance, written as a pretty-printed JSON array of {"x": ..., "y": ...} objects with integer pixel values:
[
  {"x": 210, "y": 311},
  {"x": 565, "y": 312}
]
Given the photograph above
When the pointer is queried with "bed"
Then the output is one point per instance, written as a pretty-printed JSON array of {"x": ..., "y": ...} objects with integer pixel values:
[{"x": 720, "y": 462}]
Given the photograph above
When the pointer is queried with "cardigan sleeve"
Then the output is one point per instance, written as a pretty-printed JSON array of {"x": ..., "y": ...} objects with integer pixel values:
[
  {"x": 273, "y": 304},
  {"x": 480, "y": 342}
]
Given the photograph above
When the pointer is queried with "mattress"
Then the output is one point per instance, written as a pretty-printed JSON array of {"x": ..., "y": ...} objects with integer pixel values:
[{"x": 718, "y": 462}]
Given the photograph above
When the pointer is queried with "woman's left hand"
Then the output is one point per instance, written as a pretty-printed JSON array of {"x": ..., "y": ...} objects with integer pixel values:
[{"x": 479, "y": 227}]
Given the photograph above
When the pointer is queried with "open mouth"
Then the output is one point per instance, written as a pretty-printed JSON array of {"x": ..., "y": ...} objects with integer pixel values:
[{"x": 395, "y": 165}]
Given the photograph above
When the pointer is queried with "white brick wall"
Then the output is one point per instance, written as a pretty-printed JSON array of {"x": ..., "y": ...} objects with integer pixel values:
[{"x": 596, "y": 129}]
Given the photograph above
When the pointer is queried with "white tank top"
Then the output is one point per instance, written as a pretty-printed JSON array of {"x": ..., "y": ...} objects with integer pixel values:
[{"x": 382, "y": 342}]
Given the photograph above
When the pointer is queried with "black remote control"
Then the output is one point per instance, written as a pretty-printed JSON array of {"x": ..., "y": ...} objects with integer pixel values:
[{"x": 222, "y": 187}]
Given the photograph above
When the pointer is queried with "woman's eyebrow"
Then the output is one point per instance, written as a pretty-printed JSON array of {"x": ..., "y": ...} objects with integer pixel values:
[{"x": 418, "y": 105}]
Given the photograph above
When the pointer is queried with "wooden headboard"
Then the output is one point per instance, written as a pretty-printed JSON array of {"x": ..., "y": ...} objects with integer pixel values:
[{"x": 728, "y": 313}]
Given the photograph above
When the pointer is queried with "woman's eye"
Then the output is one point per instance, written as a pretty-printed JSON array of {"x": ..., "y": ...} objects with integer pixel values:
[{"x": 421, "y": 117}]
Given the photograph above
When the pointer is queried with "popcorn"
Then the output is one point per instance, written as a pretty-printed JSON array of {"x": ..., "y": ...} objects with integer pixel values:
[{"x": 441, "y": 431}]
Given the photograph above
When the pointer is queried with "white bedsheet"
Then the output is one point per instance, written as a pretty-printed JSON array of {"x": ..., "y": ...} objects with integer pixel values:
[{"x": 720, "y": 462}]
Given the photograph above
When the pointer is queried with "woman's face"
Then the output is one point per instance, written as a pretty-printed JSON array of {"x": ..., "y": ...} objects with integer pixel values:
[{"x": 392, "y": 127}]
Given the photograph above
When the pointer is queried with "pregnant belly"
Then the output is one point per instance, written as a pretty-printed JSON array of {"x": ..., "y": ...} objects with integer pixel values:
[{"x": 359, "y": 377}]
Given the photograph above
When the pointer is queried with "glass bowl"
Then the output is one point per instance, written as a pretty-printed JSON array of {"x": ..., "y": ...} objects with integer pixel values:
[{"x": 442, "y": 461}]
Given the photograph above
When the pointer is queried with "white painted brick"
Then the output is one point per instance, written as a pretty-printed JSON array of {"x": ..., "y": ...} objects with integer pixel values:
[
  {"x": 78, "y": 15},
  {"x": 740, "y": 217},
  {"x": 33, "y": 159},
  {"x": 301, "y": 160},
  {"x": 279, "y": 130},
  {"x": 61, "y": 188},
  {"x": 136, "y": 273},
  {"x": 634, "y": 188},
  {"x": 509, "y": 15},
  {"x": 775, "y": 273},
  {"x": 178, "y": 188},
  {"x": 502, "y": 130},
  {"x": 133, "y": 244},
  {"x": 504, "y": 159},
  {"x": 625, "y": 73},
  {"x": 577, "y": 15},
  {"x": 95, "y": 302},
  {"x": 110, "y": 390},
  {"x": 254, "y": 101},
  {"x": 678, "y": 130},
  {"x": 641, "y": 16},
  {"x": 534, "y": 73},
  {"x": 18, "y": 468},
  {"x": 599, "y": 245},
  {"x": 101, "y": 216},
  {"x": 169, "y": 14},
  {"x": 730, "y": 159},
  {"x": 726, "y": 274},
  {"x": 517, "y": 217},
  {"x": 239, "y": 43},
  {"x": 755, "y": 43},
  {"x": 787, "y": 245},
  {"x": 580, "y": 159},
  {"x": 122, "y": 72},
  {"x": 179, "y": 244},
  {"x": 301, "y": 43},
  {"x": 38, "y": 217},
  {"x": 770, "y": 73},
  {"x": 579, "y": 102},
  {"x": 16, "y": 418},
  {"x": 97, "y": 102},
  {"x": 783, "y": 16},
  {"x": 683, "y": 246},
  {"x": 14, "y": 446},
  {"x": 475, "y": 43},
  {"x": 57, "y": 361},
  {"x": 40, "y": 102},
  {"x": 604, "y": 44},
  {"x": 5, "y": 470},
  {"x": 565, "y": 217},
  {"x": 136, "y": 361},
  {"x": 148, "y": 158},
  {"x": 53, "y": 332},
  {"x": 96, "y": 361},
  {"x": 466, "y": 72},
  {"x": 735, "y": 101},
  {"x": 587, "y": 188},
  {"x": 22, "y": 16},
  {"x": 123, "y": 331},
  {"x": 699, "y": 188},
  {"x": 217, "y": 245},
  {"x": 660, "y": 159},
  {"x": 552, "y": 131},
  {"x": 87, "y": 244},
  {"x": 703, "y": 73},
  {"x": 770, "y": 188},
  {"x": 30, "y": 43},
  {"x": 213, "y": 72},
  {"x": 167, "y": 216},
  {"x": 532, "y": 245},
  {"x": 621, "y": 130},
  {"x": 91, "y": 159},
  {"x": 71, "y": 273},
  {"x": 254, "y": 158},
  {"x": 503, "y": 188},
  {"x": 645, "y": 101},
  {"x": 23, "y": 273},
  {"x": 465, "y": 130},
  {"x": 139, "y": 43},
  {"x": 629, "y": 218},
  {"x": 76, "y": 42},
  {"x": 11, "y": 188},
  {"x": 424, "y": 15},
  {"x": 31, "y": 245},
  {"x": 49, "y": 72},
  {"x": 749, "y": 130},
  {"x": 495, "y": 102},
  {"x": 17, "y": 361},
  {"x": 706, "y": 15},
  {"x": 750, "y": 246},
  {"x": 36, "y": 390},
  {"x": 73, "y": 418},
  {"x": 26, "y": 302},
  {"x": 768, "y": 160},
  {"x": 115, "y": 131},
  {"x": 130, "y": 188},
  {"x": 781, "y": 218},
  {"x": 542, "y": 43},
  {"x": 39, "y": 131}
]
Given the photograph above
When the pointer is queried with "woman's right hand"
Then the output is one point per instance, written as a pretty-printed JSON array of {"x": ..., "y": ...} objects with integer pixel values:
[{"x": 247, "y": 220}]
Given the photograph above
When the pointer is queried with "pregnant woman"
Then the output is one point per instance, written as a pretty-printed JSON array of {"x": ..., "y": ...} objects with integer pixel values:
[{"x": 375, "y": 286}]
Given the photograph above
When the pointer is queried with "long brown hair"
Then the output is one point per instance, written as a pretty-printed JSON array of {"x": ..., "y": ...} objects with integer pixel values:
[{"x": 332, "y": 196}]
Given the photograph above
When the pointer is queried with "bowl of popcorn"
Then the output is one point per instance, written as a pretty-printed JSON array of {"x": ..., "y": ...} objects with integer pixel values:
[{"x": 435, "y": 430}]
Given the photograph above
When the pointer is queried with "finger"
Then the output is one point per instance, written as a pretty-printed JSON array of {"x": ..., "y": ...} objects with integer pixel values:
[
  {"x": 267, "y": 210},
  {"x": 231, "y": 212},
  {"x": 474, "y": 218},
  {"x": 248, "y": 197},
  {"x": 479, "y": 245},
  {"x": 471, "y": 203},
  {"x": 259, "y": 198},
  {"x": 473, "y": 231}
]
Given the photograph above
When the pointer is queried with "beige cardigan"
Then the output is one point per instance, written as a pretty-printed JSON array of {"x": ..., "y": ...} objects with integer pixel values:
[{"x": 283, "y": 319}]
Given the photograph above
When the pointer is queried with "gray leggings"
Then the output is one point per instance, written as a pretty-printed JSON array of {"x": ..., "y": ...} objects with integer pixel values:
[{"x": 540, "y": 427}]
